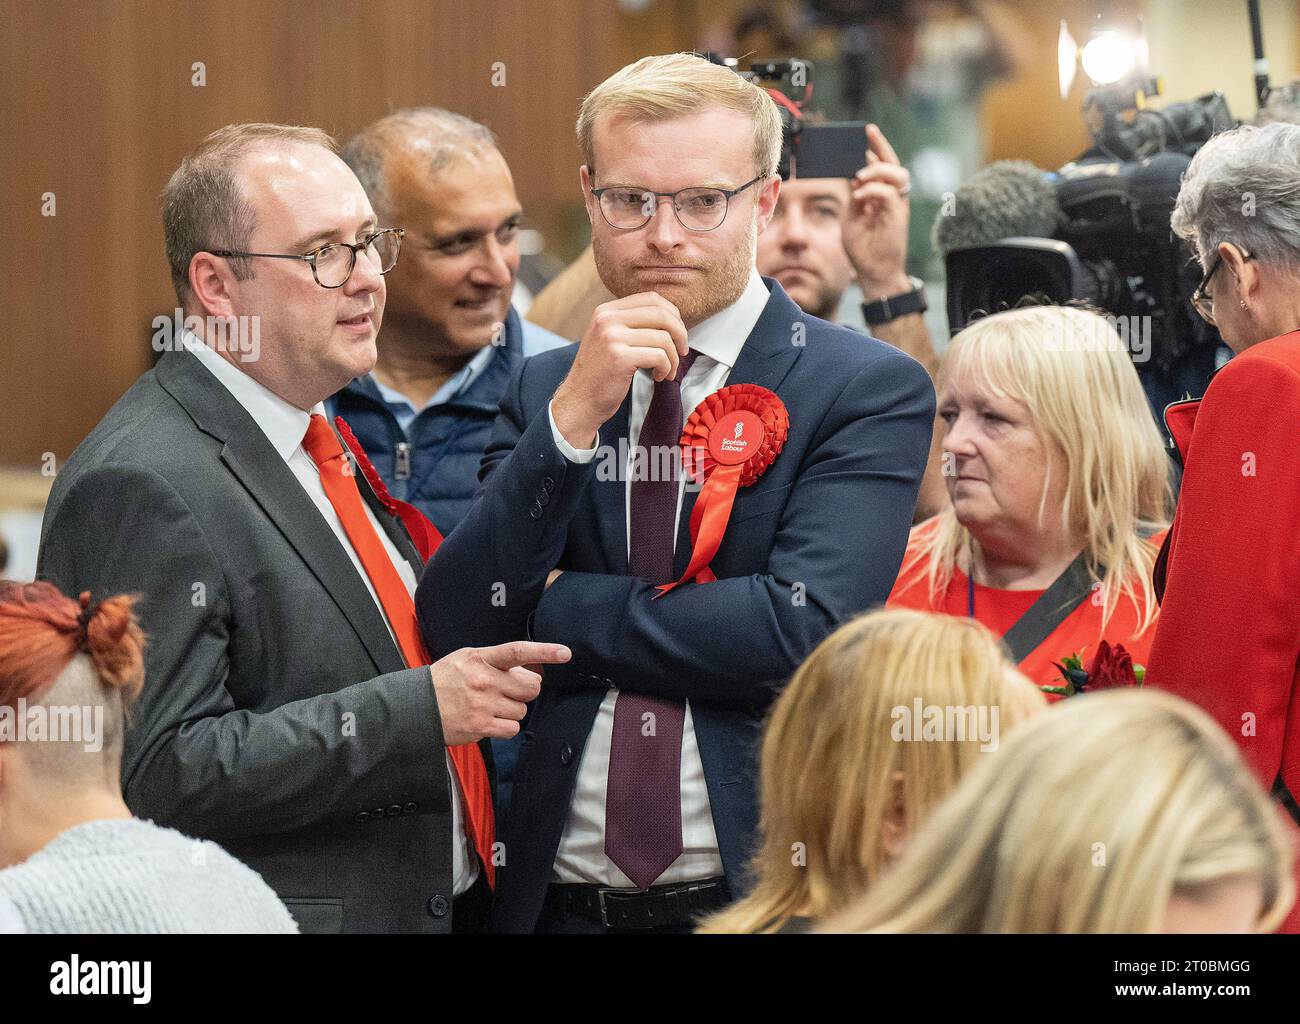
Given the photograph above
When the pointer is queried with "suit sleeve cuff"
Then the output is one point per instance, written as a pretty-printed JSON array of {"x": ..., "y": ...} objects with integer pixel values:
[{"x": 579, "y": 455}]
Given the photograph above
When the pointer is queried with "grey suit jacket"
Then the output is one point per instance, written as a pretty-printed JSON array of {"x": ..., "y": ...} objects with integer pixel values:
[{"x": 278, "y": 717}]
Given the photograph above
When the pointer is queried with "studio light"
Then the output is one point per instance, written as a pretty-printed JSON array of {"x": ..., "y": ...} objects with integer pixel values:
[{"x": 1109, "y": 56}]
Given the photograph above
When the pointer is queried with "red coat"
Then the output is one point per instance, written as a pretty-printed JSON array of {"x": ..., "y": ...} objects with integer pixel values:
[{"x": 1228, "y": 635}]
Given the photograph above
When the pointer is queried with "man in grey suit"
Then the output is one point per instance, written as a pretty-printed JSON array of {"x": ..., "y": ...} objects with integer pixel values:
[{"x": 280, "y": 716}]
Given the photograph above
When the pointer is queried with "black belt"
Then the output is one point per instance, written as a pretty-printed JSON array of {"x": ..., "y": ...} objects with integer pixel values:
[{"x": 650, "y": 908}]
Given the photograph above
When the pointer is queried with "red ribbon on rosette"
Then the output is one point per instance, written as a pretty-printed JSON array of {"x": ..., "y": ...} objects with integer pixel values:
[
  {"x": 423, "y": 533},
  {"x": 729, "y": 441}
]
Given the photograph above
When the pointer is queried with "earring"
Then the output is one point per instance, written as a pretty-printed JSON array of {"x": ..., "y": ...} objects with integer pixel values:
[{"x": 1243, "y": 304}]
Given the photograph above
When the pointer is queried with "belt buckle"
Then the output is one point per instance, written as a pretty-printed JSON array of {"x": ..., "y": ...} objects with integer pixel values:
[
  {"x": 601, "y": 895},
  {"x": 604, "y": 907}
]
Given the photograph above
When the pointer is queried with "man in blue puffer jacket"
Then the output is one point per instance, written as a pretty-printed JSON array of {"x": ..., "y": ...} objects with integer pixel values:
[{"x": 449, "y": 339}]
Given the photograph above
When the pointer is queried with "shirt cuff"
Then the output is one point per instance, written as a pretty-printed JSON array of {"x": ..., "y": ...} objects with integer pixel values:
[{"x": 578, "y": 455}]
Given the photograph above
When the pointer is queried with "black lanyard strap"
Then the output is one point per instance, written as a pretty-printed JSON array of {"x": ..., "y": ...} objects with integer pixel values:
[{"x": 1054, "y": 606}]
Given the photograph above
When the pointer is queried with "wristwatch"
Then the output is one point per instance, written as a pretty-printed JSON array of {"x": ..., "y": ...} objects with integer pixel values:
[{"x": 893, "y": 306}]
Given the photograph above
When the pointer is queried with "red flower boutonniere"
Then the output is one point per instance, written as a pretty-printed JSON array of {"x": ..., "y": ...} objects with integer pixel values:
[{"x": 1111, "y": 668}]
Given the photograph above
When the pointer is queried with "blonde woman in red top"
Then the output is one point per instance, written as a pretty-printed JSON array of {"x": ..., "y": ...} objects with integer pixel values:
[{"x": 1058, "y": 479}]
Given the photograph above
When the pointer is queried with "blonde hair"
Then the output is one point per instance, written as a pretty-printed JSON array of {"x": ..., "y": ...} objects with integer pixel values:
[
  {"x": 830, "y": 757},
  {"x": 1089, "y": 820},
  {"x": 676, "y": 84},
  {"x": 1072, "y": 371}
]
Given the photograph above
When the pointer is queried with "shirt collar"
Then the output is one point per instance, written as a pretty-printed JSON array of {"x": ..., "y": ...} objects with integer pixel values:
[
  {"x": 722, "y": 336},
  {"x": 284, "y": 424},
  {"x": 456, "y": 385}
]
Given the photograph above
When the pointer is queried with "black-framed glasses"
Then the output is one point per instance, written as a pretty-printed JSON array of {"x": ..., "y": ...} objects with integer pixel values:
[
  {"x": 332, "y": 264},
  {"x": 697, "y": 209},
  {"x": 1202, "y": 301}
]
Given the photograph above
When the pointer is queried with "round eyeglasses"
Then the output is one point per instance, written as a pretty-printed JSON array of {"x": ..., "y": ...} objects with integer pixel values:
[
  {"x": 698, "y": 209},
  {"x": 332, "y": 264}
]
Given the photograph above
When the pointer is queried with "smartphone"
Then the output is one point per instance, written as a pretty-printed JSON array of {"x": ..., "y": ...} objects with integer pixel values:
[{"x": 834, "y": 150}]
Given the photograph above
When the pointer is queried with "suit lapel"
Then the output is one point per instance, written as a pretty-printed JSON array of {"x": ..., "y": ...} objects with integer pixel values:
[
  {"x": 774, "y": 344},
  {"x": 255, "y": 463},
  {"x": 769, "y": 353},
  {"x": 1180, "y": 422}
]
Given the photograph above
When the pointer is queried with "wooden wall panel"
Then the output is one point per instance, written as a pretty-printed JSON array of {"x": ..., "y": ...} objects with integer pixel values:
[{"x": 97, "y": 106}]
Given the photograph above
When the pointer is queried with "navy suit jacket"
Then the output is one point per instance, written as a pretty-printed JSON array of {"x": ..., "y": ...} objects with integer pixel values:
[{"x": 818, "y": 538}]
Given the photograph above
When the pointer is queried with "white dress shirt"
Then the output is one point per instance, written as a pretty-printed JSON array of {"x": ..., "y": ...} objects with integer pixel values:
[
  {"x": 285, "y": 426},
  {"x": 581, "y": 856}
]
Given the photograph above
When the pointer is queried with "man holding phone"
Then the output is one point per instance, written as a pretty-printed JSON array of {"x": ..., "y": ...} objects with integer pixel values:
[{"x": 827, "y": 233}]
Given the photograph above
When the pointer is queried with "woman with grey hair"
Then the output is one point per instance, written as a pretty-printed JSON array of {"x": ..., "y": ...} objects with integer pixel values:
[{"x": 1228, "y": 636}]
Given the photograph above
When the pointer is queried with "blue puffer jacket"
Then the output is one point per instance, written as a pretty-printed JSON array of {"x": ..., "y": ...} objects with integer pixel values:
[{"x": 434, "y": 465}]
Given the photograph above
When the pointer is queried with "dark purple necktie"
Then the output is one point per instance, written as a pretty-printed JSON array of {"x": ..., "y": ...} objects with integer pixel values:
[{"x": 643, "y": 795}]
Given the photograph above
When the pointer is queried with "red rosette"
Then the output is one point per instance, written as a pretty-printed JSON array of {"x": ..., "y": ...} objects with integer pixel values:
[
  {"x": 751, "y": 398},
  {"x": 426, "y": 536},
  {"x": 728, "y": 442}
]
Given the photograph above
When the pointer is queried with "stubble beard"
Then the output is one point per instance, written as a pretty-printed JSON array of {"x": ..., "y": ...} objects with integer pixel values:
[
  {"x": 718, "y": 286},
  {"x": 827, "y": 304}
]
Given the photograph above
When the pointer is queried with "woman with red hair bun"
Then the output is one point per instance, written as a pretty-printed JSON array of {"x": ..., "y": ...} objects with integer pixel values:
[{"x": 72, "y": 858}]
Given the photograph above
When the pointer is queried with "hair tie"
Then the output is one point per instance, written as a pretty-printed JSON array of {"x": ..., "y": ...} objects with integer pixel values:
[{"x": 88, "y": 611}]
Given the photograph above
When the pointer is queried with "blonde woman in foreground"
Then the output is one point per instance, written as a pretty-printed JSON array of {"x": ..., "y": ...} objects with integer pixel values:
[
  {"x": 1123, "y": 811},
  {"x": 848, "y": 769}
]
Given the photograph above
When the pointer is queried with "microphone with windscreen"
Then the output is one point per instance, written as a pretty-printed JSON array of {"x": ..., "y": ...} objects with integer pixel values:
[
  {"x": 1007, "y": 199},
  {"x": 1095, "y": 231},
  {"x": 997, "y": 241}
]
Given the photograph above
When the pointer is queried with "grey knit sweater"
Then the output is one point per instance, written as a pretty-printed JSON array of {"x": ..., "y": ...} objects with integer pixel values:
[{"x": 124, "y": 875}]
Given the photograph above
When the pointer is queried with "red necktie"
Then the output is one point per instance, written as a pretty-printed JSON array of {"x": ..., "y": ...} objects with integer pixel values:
[{"x": 338, "y": 478}]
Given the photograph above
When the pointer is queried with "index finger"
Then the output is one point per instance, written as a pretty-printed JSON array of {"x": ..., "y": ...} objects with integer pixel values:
[
  {"x": 878, "y": 144},
  {"x": 636, "y": 300},
  {"x": 525, "y": 652}
]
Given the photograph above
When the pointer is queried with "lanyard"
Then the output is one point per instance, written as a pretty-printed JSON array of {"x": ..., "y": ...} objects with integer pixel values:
[{"x": 1052, "y": 607}]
